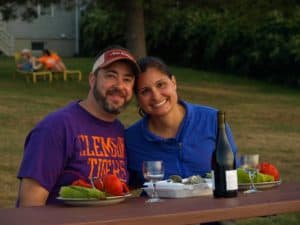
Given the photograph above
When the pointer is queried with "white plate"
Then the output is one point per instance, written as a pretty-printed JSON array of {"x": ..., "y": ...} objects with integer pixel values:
[
  {"x": 93, "y": 202},
  {"x": 262, "y": 185}
]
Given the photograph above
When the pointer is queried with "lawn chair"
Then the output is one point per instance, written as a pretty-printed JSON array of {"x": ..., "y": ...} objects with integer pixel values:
[
  {"x": 31, "y": 75},
  {"x": 66, "y": 73},
  {"x": 69, "y": 73}
]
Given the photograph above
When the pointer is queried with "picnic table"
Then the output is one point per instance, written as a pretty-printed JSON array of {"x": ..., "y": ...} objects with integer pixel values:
[{"x": 279, "y": 200}]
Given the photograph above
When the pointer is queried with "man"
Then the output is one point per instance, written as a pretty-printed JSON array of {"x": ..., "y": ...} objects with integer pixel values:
[{"x": 84, "y": 139}]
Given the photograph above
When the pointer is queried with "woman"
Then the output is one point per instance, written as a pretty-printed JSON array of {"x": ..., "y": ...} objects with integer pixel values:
[
  {"x": 52, "y": 61},
  {"x": 181, "y": 134}
]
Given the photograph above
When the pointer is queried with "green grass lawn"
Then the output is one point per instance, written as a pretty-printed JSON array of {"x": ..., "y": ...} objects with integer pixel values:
[{"x": 264, "y": 118}]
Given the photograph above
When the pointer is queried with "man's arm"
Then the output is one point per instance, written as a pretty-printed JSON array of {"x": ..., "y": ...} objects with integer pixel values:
[{"x": 31, "y": 193}]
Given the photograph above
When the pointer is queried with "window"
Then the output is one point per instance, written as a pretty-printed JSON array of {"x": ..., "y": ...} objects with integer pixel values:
[
  {"x": 37, "y": 45},
  {"x": 45, "y": 10}
]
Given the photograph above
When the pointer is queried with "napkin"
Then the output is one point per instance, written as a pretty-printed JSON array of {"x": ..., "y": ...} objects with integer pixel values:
[
  {"x": 167, "y": 189},
  {"x": 166, "y": 184}
]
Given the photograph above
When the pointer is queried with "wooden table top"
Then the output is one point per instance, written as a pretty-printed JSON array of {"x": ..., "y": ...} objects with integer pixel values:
[{"x": 282, "y": 199}]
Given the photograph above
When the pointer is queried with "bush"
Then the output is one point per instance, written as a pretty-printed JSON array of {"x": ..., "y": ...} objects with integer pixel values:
[{"x": 260, "y": 40}]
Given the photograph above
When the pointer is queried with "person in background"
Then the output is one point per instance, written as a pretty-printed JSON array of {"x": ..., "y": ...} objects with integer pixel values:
[
  {"x": 80, "y": 140},
  {"x": 52, "y": 61},
  {"x": 181, "y": 134},
  {"x": 27, "y": 63}
]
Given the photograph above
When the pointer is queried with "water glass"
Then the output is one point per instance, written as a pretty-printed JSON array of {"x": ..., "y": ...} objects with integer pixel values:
[
  {"x": 249, "y": 163},
  {"x": 153, "y": 171}
]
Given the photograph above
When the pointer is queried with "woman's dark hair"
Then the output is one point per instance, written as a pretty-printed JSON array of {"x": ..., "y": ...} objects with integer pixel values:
[
  {"x": 150, "y": 62},
  {"x": 47, "y": 52},
  {"x": 154, "y": 62}
]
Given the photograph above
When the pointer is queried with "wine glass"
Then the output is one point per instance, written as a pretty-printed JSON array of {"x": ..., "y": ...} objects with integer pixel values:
[
  {"x": 153, "y": 171},
  {"x": 249, "y": 163}
]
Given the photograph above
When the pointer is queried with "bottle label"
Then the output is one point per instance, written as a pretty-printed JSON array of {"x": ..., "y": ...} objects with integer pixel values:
[
  {"x": 231, "y": 180},
  {"x": 213, "y": 180}
]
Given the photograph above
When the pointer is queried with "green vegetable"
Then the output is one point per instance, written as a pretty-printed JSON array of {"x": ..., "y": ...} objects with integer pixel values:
[
  {"x": 195, "y": 179},
  {"x": 242, "y": 176},
  {"x": 208, "y": 175},
  {"x": 260, "y": 177},
  {"x": 175, "y": 178},
  {"x": 74, "y": 191}
]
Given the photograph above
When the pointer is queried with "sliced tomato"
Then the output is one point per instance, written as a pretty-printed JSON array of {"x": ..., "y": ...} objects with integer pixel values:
[
  {"x": 98, "y": 184},
  {"x": 114, "y": 186},
  {"x": 270, "y": 169},
  {"x": 82, "y": 183}
]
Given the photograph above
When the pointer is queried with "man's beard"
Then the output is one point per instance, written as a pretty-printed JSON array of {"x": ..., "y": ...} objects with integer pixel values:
[{"x": 102, "y": 100}]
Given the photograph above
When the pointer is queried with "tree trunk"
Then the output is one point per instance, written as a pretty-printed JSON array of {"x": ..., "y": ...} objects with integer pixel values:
[{"x": 135, "y": 32}]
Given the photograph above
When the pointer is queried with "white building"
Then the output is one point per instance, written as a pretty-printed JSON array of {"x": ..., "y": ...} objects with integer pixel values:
[{"x": 55, "y": 28}]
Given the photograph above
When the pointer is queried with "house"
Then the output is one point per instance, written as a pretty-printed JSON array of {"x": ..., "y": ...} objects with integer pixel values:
[{"x": 55, "y": 28}]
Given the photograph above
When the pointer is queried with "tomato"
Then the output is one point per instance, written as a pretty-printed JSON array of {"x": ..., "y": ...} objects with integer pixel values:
[
  {"x": 125, "y": 187},
  {"x": 82, "y": 183},
  {"x": 98, "y": 184},
  {"x": 270, "y": 169},
  {"x": 114, "y": 186}
]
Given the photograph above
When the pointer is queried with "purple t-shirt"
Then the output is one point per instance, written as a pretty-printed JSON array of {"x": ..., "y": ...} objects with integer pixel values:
[{"x": 70, "y": 144}]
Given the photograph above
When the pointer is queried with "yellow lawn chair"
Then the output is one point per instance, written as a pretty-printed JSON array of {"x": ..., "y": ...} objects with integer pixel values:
[
  {"x": 66, "y": 73},
  {"x": 69, "y": 73},
  {"x": 31, "y": 75}
]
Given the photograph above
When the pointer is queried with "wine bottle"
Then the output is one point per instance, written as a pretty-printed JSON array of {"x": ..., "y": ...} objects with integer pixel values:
[{"x": 224, "y": 173}]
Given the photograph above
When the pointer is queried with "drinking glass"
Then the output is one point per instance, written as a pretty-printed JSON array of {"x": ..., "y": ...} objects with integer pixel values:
[
  {"x": 249, "y": 163},
  {"x": 153, "y": 171}
]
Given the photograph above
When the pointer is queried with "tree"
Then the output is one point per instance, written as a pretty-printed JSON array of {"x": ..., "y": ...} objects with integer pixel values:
[
  {"x": 134, "y": 17},
  {"x": 135, "y": 29}
]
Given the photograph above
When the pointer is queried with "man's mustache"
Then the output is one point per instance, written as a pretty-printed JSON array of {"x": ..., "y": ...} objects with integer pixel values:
[{"x": 114, "y": 91}]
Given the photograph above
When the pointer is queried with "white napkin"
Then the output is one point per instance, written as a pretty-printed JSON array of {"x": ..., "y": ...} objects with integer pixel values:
[
  {"x": 167, "y": 189},
  {"x": 165, "y": 184}
]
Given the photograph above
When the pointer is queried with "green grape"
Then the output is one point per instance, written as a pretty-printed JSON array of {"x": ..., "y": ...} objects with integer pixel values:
[
  {"x": 259, "y": 177},
  {"x": 243, "y": 177},
  {"x": 264, "y": 178}
]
